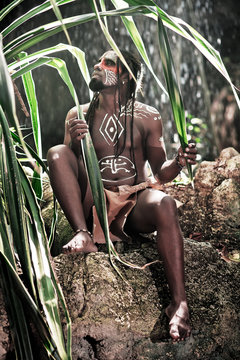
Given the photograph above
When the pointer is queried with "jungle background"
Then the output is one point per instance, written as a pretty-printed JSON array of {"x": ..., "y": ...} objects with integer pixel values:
[{"x": 211, "y": 111}]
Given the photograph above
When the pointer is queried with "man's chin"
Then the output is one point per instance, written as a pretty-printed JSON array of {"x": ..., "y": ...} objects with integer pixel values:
[{"x": 96, "y": 85}]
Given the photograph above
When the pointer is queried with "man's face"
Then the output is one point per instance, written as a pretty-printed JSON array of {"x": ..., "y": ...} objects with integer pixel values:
[{"x": 105, "y": 72}]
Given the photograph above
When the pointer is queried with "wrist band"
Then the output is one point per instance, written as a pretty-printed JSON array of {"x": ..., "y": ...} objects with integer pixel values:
[{"x": 178, "y": 162}]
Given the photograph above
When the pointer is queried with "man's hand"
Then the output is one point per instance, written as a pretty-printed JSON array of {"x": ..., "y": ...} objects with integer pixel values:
[
  {"x": 189, "y": 155},
  {"x": 77, "y": 129}
]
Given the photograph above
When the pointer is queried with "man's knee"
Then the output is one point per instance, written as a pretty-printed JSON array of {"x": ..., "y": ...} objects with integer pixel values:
[
  {"x": 165, "y": 208},
  {"x": 55, "y": 153}
]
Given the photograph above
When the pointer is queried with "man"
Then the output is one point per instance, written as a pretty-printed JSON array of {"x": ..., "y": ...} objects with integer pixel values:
[{"x": 127, "y": 136}]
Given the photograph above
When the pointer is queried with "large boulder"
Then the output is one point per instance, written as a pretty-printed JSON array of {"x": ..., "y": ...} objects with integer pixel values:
[
  {"x": 211, "y": 211},
  {"x": 115, "y": 320}
]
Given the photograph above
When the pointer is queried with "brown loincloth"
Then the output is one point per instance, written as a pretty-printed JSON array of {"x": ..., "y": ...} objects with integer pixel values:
[{"x": 120, "y": 200}]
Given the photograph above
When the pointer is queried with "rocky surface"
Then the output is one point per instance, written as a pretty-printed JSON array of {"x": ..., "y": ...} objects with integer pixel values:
[
  {"x": 114, "y": 319},
  {"x": 211, "y": 211}
]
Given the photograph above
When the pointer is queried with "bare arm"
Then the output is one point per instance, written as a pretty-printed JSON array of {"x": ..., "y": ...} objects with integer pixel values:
[
  {"x": 165, "y": 170},
  {"x": 75, "y": 130}
]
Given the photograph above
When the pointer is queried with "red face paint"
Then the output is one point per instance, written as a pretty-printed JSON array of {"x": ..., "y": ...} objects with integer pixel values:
[
  {"x": 108, "y": 61},
  {"x": 108, "y": 65}
]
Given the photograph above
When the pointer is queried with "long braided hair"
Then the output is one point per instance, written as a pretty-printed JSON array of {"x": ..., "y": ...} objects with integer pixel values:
[{"x": 133, "y": 86}]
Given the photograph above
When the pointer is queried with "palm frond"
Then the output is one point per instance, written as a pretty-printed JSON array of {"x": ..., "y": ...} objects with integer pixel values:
[
  {"x": 173, "y": 89},
  {"x": 40, "y": 9},
  {"x": 8, "y": 8}
]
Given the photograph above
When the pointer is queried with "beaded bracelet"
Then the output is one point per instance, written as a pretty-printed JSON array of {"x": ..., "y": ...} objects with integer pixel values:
[
  {"x": 178, "y": 162},
  {"x": 85, "y": 231}
]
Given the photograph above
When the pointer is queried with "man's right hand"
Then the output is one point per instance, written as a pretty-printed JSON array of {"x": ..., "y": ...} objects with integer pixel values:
[{"x": 77, "y": 129}]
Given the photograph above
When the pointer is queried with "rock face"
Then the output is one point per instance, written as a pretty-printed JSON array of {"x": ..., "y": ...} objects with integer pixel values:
[
  {"x": 212, "y": 208},
  {"x": 114, "y": 319}
]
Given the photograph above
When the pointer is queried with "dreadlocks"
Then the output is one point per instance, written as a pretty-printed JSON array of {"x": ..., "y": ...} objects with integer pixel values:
[{"x": 132, "y": 87}]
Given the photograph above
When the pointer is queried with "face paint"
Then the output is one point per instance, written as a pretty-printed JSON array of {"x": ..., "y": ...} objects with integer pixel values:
[
  {"x": 110, "y": 77},
  {"x": 108, "y": 63}
]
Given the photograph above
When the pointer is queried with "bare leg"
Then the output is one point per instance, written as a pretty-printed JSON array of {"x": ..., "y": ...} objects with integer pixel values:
[
  {"x": 157, "y": 211},
  {"x": 69, "y": 183}
]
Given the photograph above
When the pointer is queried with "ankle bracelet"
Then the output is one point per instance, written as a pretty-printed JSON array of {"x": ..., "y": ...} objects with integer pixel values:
[{"x": 85, "y": 231}]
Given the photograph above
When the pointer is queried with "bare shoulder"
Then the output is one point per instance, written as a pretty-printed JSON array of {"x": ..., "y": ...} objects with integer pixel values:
[
  {"x": 144, "y": 111},
  {"x": 72, "y": 113}
]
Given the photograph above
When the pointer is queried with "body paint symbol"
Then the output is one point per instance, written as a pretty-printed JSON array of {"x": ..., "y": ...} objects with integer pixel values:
[
  {"x": 109, "y": 129},
  {"x": 115, "y": 165}
]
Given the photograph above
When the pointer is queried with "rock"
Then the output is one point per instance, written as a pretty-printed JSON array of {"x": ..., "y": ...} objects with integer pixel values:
[
  {"x": 227, "y": 154},
  {"x": 207, "y": 177},
  {"x": 226, "y": 210},
  {"x": 4, "y": 328},
  {"x": 214, "y": 201},
  {"x": 114, "y": 319}
]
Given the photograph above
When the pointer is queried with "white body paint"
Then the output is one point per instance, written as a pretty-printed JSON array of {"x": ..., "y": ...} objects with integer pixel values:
[
  {"x": 109, "y": 127},
  {"x": 110, "y": 78},
  {"x": 117, "y": 165}
]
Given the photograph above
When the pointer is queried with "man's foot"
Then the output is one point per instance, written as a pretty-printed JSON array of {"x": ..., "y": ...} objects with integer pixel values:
[
  {"x": 81, "y": 242},
  {"x": 179, "y": 321}
]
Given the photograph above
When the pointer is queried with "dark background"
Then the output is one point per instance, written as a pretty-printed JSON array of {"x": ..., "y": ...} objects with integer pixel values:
[{"x": 205, "y": 92}]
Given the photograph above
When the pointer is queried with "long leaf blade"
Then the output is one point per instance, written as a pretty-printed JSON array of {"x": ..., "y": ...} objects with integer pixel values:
[
  {"x": 33, "y": 311},
  {"x": 29, "y": 87},
  {"x": 16, "y": 316},
  {"x": 14, "y": 201},
  {"x": 42, "y": 267},
  {"x": 30, "y": 14},
  {"x": 173, "y": 89},
  {"x": 8, "y": 8},
  {"x": 137, "y": 39},
  {"x": 58, "y": 14}
]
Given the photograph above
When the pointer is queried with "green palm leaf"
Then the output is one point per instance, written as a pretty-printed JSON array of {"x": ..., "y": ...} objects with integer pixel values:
[
  {"x": 42, "y": 267},
  {"x": 136, "y": 37},
  {"x": 28, "y": 235},
  {"x": 144, "y": 7},
  {"x": 173, "y": 89},
  {"x": 17, "y": 142},
  {"x": 21, "y": 294},
  {"x": 29, "y": 87},
  {"x": 14, "y": 203},
  {"x": 28, "y": 15},
  {"x": 8, "y": 8},
  {"x": 58, "y": 14}
]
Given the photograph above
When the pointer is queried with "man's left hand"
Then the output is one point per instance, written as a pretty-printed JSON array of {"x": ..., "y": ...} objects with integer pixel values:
[{"x": 189, "y": 155}]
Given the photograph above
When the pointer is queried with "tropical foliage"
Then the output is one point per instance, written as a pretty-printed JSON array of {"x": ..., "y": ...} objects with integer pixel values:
[{"x": 32, "y": 293}]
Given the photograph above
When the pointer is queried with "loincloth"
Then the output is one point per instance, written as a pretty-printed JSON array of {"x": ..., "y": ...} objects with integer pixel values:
[{"x": 120, "y": 200}]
